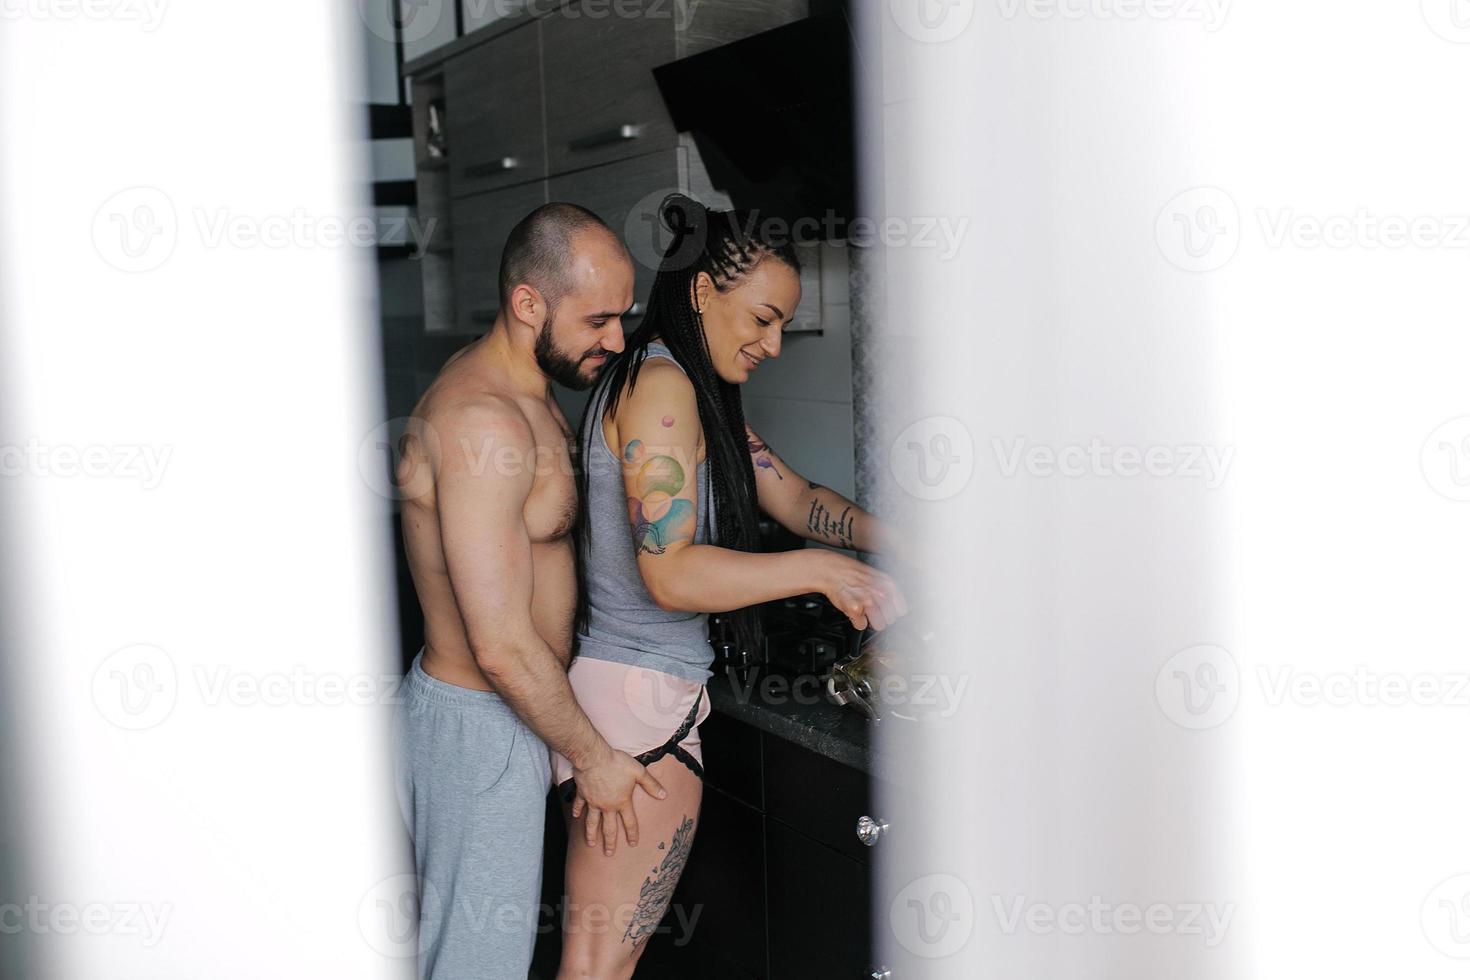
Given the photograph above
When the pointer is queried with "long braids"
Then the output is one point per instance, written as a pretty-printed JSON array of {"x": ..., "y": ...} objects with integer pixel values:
[{"x": 725, "y": 246}]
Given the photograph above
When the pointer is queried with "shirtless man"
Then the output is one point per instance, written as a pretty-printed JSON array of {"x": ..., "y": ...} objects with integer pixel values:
[{"x": 489, "y": 499}]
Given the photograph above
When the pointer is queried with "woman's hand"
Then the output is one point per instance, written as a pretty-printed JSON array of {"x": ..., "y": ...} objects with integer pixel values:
[{"x": 866, "y": 596}]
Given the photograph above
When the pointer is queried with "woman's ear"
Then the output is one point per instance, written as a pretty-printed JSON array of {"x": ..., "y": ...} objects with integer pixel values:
[{"x": 701, "y": 289}]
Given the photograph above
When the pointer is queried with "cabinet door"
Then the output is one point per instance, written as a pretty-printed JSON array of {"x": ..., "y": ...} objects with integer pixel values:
[
  {"x": 481, "y": 224},
  {"x": 601, "y": 101},
  {"x": 425, "y": 25},
  {"x": 819, "y": 909},
  {"x": 494, "y": 114},
  {"x": 626, "y": 195},
  {"x": 821, "y": 798}
]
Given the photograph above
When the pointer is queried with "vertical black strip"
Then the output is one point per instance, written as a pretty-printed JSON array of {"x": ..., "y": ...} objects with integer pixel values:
[
  {"x": 397, "y": 48},
  {"x": 458, "y": 17}
]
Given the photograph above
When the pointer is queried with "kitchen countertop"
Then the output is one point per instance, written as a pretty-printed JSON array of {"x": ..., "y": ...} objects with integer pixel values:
[{"x": 798, "y": 711}]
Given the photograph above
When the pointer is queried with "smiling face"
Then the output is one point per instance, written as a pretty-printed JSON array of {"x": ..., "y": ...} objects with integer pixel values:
[
  {"x": 742, "y": 323},
  {"x": 587, "y": 324}
]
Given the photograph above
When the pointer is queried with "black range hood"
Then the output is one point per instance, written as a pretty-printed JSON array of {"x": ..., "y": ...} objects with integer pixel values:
[{"x": 772, "y": 118}]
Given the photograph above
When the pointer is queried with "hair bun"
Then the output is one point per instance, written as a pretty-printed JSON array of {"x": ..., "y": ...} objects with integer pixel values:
[
  {"x": 682, "y": 214},
  {"x": 687, "y": 223}
]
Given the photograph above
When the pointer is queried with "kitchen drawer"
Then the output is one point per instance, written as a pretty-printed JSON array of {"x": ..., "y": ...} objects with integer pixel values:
[
  {"x": 494, "y": 114},
  {"x": 819, "y": 910},
  {"x": 818, "y": 797},
  {"x": 601, "y": 100},
  {"x": 626, "y": 195},
  {"x": 481, "y": 224}
]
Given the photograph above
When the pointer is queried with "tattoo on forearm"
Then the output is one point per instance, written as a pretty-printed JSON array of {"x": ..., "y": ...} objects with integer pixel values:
[
  {"x": 760, "y": 453},
  {"x": 835, "y": 529},
  {"x": 657, "y": 515},
  {"x": 658, "y": 887}
]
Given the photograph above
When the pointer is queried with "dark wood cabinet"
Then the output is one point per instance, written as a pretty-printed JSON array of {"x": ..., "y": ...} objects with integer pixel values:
[
  {"x": 626, "y": 195},
  {"x": 494, "y": 108},
  {"x": 817, "y": 916},
  {"x": 601, "y": 100},
  {"x": 481, "y": 224}
]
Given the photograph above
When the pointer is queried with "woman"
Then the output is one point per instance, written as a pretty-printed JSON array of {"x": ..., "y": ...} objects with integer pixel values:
[{"x": 668, "y": 457}]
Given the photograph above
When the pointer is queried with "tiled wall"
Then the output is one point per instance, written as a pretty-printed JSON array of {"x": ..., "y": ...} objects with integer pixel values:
[{"x": 801, "y": 402}]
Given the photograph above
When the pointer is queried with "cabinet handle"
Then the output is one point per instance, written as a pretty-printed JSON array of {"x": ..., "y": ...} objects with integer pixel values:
[
  {"x": 880, "y": 973},
  {"x": 483, "y": 316},
  {"x": 869, "y": 830},
  {"x": 493, "y": 167},
  {"x": 627, "y": 131}
]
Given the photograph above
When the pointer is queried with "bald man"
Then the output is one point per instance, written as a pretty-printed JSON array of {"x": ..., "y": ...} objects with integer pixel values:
[{"x": 489, "y": 500}]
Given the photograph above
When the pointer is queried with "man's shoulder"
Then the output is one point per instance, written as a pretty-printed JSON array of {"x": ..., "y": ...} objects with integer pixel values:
[{"x": 478, "y": 411}]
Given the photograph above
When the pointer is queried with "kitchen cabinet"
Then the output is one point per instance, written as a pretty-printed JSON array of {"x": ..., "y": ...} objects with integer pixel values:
[
  {"x": 626, "y": 194},
  {"x": 601, "y": 100},
  {"x": 480, "y": 226},
  {"x": 493, "y": 95}
]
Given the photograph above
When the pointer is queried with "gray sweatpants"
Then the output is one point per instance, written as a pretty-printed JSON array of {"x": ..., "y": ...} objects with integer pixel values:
[{"x": 472, "y": 783}]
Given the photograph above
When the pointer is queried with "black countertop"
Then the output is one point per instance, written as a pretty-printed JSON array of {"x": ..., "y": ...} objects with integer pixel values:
[{"x": 797, "y": 710}]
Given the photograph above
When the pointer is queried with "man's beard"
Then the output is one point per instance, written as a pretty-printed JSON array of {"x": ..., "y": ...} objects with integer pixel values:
[{"x": 559, "y": 366}]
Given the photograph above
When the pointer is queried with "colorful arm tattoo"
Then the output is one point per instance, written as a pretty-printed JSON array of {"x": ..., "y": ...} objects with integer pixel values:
[
  {"x": 657, "y": 515},
  {"x": 760, "y": 453}
]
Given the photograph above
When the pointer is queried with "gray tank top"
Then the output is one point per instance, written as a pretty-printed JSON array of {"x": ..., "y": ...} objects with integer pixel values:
[{"x": 624, "y": 624}]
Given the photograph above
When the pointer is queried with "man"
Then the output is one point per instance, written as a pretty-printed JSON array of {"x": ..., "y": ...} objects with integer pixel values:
[{"x": 489, "y": 503}]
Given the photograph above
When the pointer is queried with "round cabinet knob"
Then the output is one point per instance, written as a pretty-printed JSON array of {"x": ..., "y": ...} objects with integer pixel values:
[
  {"x": 880, "y": 973},
  {"x": 869, "y": 830}
]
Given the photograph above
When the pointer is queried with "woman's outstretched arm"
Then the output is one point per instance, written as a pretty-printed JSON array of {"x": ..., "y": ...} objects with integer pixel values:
[
  {"x": 816, "y": 512},
  {"x": 657, "y": 433}
]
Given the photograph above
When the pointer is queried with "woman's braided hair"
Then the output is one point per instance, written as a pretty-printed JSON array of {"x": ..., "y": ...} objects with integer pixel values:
[{"x": 726, "y": 245}]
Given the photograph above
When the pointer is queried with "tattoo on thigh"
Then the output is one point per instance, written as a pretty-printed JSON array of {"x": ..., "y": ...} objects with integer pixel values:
[{"x": 658, "y": 887}]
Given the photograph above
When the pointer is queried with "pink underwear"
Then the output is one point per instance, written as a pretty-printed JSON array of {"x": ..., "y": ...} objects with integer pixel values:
[{"x": 645, "y": 713}]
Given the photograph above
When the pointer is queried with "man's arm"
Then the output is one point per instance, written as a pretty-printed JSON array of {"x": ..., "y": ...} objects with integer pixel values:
[
  {"x": 814, "y": 511},
  {"x": 487, "y": 551}
]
